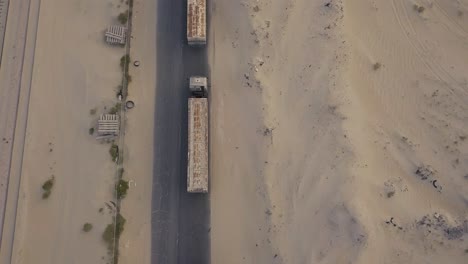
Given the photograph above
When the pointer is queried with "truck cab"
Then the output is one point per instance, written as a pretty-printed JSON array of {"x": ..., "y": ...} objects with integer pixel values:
[{"x": 198, "y": 86}]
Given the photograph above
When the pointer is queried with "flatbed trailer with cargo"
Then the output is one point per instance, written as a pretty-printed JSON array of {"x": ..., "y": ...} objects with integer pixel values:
[
  {"x": 196, "y": 22},
  {"x": 198, "y": 145}
]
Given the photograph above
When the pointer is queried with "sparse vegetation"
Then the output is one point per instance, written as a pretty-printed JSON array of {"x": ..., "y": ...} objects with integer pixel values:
[
  {"x": 390, "y": 194},
  {"x": 124, "y": 62},
  {"x": 460, "y": 14},
  {"x": 119, "y": 89},
  {"x": 126, "y": 80},
  {"x": 114, "y": 152},
  {"x": 376, "y": 66},
  {"x": 256, "y": 9},
  {"x": 113, "y": 231},
  {"x": 87, "y": 227},
  {"x": 46, "y": 194},
  {"x": 91, "y": 130},
  {"x": 121, "y": 189},
  {"x": 120, "y": 173},
  {"x": 115, "y": 109},
  {"x": 418, "y": 8},
  {"x": 47, "y": 187},
  {"x": 92, "y": 111},
  {"x": 121, "y": 159},
  {"x": 108, "y": 235},
  {"x": 126, "y": 77},
  {"x": 123, "y": 18}
]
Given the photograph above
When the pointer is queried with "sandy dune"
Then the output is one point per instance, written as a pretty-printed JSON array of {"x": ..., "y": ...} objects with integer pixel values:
[
  {"x": 415, "y": 110},
  {"x": 339, "y": 133}
]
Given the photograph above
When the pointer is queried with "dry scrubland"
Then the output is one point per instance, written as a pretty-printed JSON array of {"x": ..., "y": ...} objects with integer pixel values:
[
  {"x": 339, "y": 132},
  {"x": 74, "y": 71}
]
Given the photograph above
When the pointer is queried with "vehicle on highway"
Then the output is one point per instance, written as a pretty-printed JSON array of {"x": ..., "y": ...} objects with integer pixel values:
[
  {"x": 196, "y": 22},
  {"x": 197, "y": 166}
]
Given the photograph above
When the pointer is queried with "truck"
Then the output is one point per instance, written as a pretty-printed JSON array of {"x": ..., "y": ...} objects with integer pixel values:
[
  {"x": 196, "y": 22},
  {"x": 197, "y": 165}
]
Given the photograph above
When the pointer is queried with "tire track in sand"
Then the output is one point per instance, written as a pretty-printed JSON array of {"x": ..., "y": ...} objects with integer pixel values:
[
  {"x": 451, "y": 23},
  {"x": 421, "y": 49}
]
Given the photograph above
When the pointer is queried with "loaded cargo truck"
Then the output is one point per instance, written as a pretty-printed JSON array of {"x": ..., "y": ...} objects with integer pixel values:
[
  {"x": 197, "y": 165},
  {"x": 196, "y": 22}
]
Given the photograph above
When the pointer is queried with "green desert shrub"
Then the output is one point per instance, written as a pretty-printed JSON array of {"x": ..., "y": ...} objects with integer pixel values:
[
  {"x": 47, "y": 187},
  {"x": 376, "y": 66},
  {"x": 124, "y": 62},
  {"x": 115, "y": 109},
  {"x": 113, "y": 231},
  {"x": 123, "y": 18},
  {"x": 114, "y": 152},
  {"x": 87, "y": 227},
  {"x": 121, "y": 189}
]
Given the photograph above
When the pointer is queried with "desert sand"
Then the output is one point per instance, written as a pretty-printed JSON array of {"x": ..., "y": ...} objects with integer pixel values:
[
  {"x": 339, "y": 131},
  {"x": 74, "y": 71},
  {"x": 135, "y": 242}
]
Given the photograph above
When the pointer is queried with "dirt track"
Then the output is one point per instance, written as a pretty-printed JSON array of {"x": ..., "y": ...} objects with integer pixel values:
[{"x": 15, "y": 83}]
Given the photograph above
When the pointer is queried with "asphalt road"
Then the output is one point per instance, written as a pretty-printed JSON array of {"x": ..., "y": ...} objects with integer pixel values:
[{"x": 180, "y": 221}]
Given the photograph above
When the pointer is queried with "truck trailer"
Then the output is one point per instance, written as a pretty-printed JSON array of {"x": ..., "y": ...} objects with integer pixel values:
[
  {"x": 196, "y": 22},
  {"x": 197, "y": 165}
]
